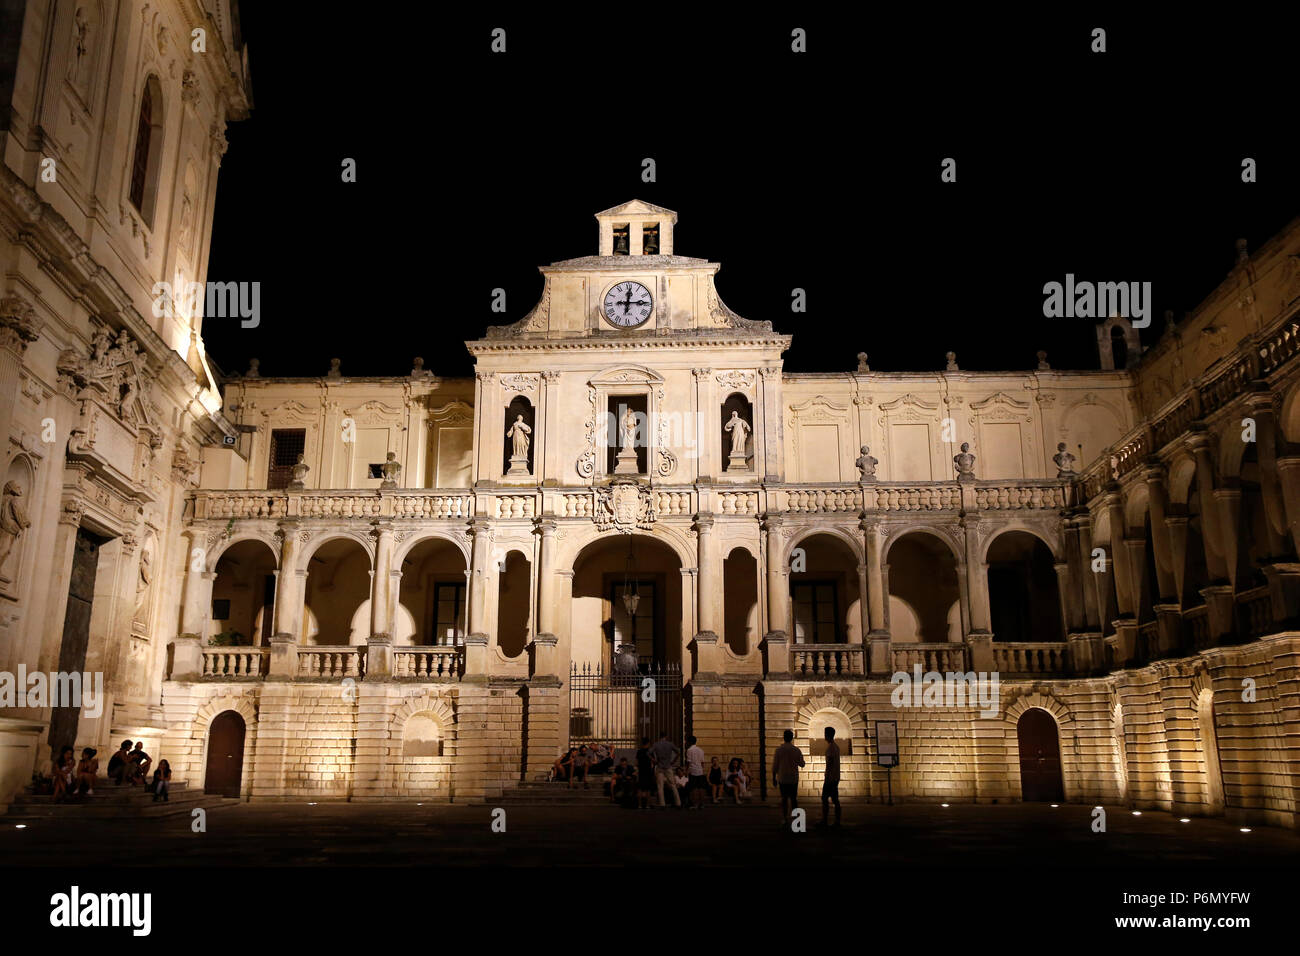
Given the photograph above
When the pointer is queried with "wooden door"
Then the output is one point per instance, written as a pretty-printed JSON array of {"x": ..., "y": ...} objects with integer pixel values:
[
  {"x": 1040, "y": 758},
  {"x": 225, "y": 754}
]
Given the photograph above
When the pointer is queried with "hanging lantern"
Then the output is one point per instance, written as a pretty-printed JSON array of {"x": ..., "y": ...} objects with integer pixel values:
[{"x": 630, "y": 597}]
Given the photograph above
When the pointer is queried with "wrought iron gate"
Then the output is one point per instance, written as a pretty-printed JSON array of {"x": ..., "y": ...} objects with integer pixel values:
[{"x": 620, "y": 709}]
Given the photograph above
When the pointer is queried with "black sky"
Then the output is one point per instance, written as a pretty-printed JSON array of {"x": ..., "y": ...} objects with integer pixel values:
[{"x": 818, "y": 171}]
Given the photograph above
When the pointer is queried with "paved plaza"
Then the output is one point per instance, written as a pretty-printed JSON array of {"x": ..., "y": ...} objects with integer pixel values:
[{"x": 921, "y": 836}]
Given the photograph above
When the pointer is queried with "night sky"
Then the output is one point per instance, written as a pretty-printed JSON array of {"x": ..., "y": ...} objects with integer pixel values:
[{"x": 818, "y": 171}]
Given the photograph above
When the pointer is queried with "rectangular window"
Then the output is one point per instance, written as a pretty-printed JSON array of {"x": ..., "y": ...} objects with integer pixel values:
[
  {"x": 140, "y": 162},
  {"x": 286, "y": 445},
  {"x": 815, "y": 617},
  {"x": 221, "y": 609},
  {"x": 448, "y": 611}
]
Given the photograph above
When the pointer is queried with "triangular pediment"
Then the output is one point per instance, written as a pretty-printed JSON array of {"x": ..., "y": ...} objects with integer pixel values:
[{"x": 638, "y": 207}]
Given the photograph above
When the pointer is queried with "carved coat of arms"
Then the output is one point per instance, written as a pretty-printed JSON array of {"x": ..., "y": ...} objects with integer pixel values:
[{"x": 624, "y": 506}]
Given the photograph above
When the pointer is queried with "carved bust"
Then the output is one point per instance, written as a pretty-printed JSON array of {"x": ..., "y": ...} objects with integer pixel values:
[
  {"x": 1064, "y": 462},
  {"x": 391, "y": 469},
  {"x": 965, "y": 462},
  {"x": 299, "y": 473}
]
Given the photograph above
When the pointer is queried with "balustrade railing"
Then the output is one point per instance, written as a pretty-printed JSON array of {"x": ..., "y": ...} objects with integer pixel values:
[
  {"x": 331, "y": 663},
  {"x": 826, "y": 660},
  {"x": 942, "y": 658},
  {"x": 233, "y": 663},
  {"x": 426, "y": 663},
  {"x": 1255, "y": 610},
  {"x": 1050, "y": 657},
  {"x": 1197, "y": 623}
]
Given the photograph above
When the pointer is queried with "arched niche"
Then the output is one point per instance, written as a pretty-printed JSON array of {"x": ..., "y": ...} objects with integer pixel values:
[
  {"x": 519, "y": 409},
  {"x": 736, "y": 455}
]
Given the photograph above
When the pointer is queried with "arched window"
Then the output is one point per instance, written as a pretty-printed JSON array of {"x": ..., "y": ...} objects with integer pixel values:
[{"x": 148, "y": 144}]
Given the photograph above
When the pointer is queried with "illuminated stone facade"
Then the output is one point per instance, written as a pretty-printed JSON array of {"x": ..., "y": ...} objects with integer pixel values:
[{"x": 385, "y": 587}]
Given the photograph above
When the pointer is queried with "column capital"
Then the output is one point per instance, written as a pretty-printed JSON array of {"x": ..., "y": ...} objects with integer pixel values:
[
  {"x": 19, "y": 326},
  {"x": 1197, "y": 442},
  {"x": 546, "y": 527},
  {"x": 704, "y": 523},
  {"x": 773, "y": 521}
]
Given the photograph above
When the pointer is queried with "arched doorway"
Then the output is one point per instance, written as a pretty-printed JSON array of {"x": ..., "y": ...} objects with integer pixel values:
[
  {"x": 431, "y": 607},
  {"x": 924, "y": 593},
  {"x": 225, "y": 768},
  {"x": 243, "y": 594},
  {"x": 602, "y": 573},
  {"x": 336, "y": 609},
  {"x": 1040, "y": 758},
  {"x": 1024, "y": 595}
]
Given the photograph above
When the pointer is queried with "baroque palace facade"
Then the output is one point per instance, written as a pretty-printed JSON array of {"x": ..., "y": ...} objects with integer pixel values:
[{"x": 421, "y": 587}]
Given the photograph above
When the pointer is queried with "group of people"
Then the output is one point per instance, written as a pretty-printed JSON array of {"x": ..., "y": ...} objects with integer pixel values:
[
  {"x": 660, "y": 767},
  {"x": 130, "y": 766}
]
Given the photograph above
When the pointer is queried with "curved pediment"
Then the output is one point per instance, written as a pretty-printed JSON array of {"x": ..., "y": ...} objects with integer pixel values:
[{"x": 625, "y": 375}]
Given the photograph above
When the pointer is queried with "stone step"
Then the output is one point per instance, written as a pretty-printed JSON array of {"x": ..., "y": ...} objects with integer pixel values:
[
  {"x": 88, "y": 810},
  {"x": 107, "y": 794}
]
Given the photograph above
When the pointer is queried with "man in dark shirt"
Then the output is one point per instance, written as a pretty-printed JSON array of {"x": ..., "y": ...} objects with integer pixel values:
[
  {"x": 831, "y": 782},
  {"x": 785, "y": 774},
  {"x": 117, "y": 764}
]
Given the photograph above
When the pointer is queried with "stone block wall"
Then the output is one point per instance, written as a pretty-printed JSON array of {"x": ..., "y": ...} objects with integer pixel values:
[{"x": 725, "y": 716}]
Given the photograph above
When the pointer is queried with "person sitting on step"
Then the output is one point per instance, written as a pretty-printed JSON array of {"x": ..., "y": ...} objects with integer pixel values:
[
  {"x": 87, "y": 770},
  {"x": 137, "y": 765},
  {"x": 117, "y": 764},
  {"x": 162, "y": 781},
  {"x": 63, "y": 770},
  {"x": 580, "y": 761}
]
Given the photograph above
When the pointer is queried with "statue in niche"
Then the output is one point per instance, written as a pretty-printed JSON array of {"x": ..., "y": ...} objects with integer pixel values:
[
  {"x": 626, "y": 463},
  {"x": 143, "y": 582},
  {"x": 740, "y": 430},
  {"x": 13, "y": 522},
  {"x": 1064, "y": 462},
  {"x": 391, "y": 469},
  {"x": 300, "y": 470},
  {"x": 965, "y": 462},
  {"x": 518, "y": 434},
  {"x": 629, "y": 430},
  {"x": 866, "y": 464}
]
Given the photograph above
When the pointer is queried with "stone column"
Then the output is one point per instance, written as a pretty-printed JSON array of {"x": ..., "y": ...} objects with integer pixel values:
[
  {"x": 381, "y": 580},
  {"x": 778, "y": 598},
  {"x": 1157, "y": 501},
  {"x": 1072, "y": 589},
  {"x": 709, "y": 593},
  {"x": 1288, "y": 471},
  {"x": 876, "y": 595},
  {"x": 196, "y": 590},
  {"x": 1229, "y": 507},
  {"x": 1092, "y": 616},
  {"x": 1260, "y": 407},
  {"x": 973, "y": 581},
  {"x": 478, "y": 574},
  {"x": 1068, "y": 607},
  {"x": 1215, "y": 562},
  {"x": 1176, "y": 528},
  {"x": 289, "y": 592},
  {"x": 546, "y": 527},
  {"x": 1125, "y": 598}
]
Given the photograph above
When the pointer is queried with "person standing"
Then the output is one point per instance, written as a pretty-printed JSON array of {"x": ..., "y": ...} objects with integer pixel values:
[
  {"x": 645, "y": 774},
  {"x": 831, "y": 781},
  {"x": 696, "y": 782},
  {"x": 785, "y": 774},
  {"x": 665, "y": 754}
]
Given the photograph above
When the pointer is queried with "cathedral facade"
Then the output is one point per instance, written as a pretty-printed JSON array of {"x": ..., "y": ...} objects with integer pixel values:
[{"x": 630, "y": 519}]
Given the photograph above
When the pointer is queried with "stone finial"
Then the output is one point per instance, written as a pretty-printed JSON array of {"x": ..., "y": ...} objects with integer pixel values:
[
  {"x": 1064, "y": 462},
  {"x": 952, "y": 361},
  {"x": 253, "y": 372},
  {"x": 965, "y": 463},
  {"x": 1042, "y": 361},
  {"x": 866, "y": 465},
  {"x": 334, "y": 369},
  {"x": 300, "y": 472},
  {"x": 1242, "y": 251},
  {"x": 862, "y": 362},
  {"x": 391, "y": 469}
]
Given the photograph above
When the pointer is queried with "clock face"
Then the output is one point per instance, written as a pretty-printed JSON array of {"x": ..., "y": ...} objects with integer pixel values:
[{"x": 628, "y": 305}]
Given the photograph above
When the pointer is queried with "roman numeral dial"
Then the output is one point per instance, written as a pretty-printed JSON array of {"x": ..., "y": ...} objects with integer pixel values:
[{"x": 628, "y": 305}]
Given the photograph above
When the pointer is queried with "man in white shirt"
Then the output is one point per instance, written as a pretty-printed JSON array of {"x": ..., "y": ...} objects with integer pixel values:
[
  {"x": 696, "y": 782},
  {"x": 831, "y": 782}
]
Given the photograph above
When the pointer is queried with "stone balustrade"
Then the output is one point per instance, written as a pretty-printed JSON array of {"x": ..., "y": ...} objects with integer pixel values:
[
  {"x": 942, "y": 658},
  {"x": 910, "y": 496},
  {"x": 331, "y": 663},
  {"x": 340, "y": 503},
  {"x": 426, "y": 662},
  {"x": 826, "y": 660},
  {"x": 1022, "y": 494},
  {"x": 235, "y": 663},
  {"x": 1048, "y": 658}
]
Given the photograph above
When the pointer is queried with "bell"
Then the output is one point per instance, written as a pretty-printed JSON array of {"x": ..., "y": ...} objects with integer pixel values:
[
  {"x": 652, "y": 242},
  {"x": 620, "y": 244}
]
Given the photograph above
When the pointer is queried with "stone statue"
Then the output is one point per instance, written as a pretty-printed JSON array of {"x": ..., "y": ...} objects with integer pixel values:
[
  {"x": 334, "y": 371},
  {"x": 13, "y": 521},
  {"x": 1042, "y": 361},
  {"x": 862, "y": 362},
  {"x": 629, "y": 430},
  {"x": 253, "y": 372},
  {"x": 965, "y": 462},
  {"x": 1064, "y": 462},
  {"x": 739, "y": 432},
  {"x": 391, "y": 469},
  {"x": 866, "y": 464},
  {"x": 626, "y": 461},
  {"x": 418, "y": 370},
  {"x": 519, "y": 432},
  {"x": 300, "y": 473},
  {"x": 952, "y": 361}
]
